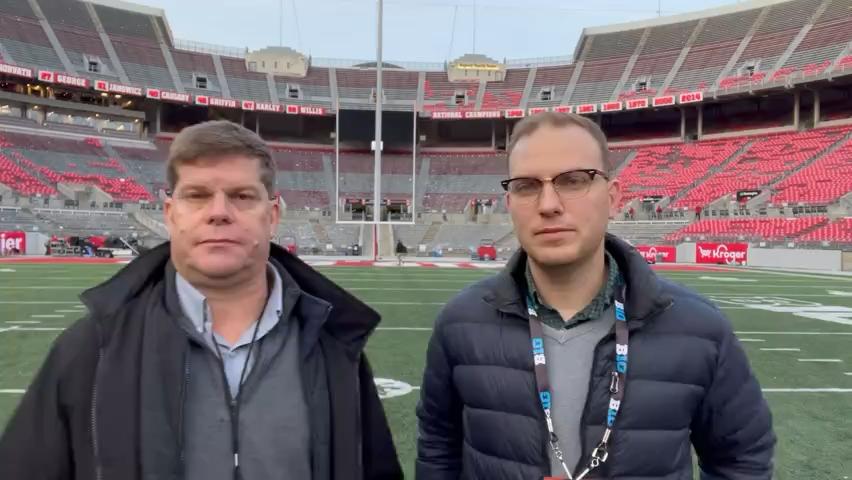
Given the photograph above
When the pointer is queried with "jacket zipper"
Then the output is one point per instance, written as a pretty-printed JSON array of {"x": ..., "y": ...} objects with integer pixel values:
[
  {"x": 183, "y": 389},
  {"x": 359, "y": 432},
  {"x": 93, "y": 417}
]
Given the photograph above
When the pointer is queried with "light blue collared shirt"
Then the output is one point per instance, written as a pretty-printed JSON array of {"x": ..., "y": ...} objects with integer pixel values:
[{"x": 193, "y": 304}]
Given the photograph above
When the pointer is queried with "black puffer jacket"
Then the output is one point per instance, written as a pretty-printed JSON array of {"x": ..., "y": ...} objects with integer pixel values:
[{"x": 689, "y": 382}]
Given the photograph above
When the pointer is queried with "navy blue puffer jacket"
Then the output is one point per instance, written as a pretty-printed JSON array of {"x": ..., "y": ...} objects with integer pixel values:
[{"x": 690, "y": 384}]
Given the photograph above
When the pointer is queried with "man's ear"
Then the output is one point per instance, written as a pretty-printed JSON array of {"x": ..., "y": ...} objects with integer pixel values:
[{"x": 614, "y": 198}]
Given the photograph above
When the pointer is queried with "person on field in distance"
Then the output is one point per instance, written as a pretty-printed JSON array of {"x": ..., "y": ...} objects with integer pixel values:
[
  {"x": 577, "y": 360},
  {"x": 215, "y": 356}
]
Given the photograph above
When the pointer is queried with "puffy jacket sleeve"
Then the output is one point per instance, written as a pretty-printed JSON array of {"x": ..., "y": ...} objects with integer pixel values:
[
  {"x": 36, "y": 443},
  {"x": 732, "y": 433},
  {"x": 379, "y": 455},
  {"x": 439, "y": 412}
]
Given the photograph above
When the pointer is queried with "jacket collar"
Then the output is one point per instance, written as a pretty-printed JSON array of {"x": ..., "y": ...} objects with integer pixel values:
[
  {"x": 350, "y": 320},
  {"x": 644, "y": 295}
]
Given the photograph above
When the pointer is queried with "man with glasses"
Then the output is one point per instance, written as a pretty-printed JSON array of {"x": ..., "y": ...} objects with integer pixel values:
[
  {"x": 577, "y": 361},
  {"x": 216, "y": 356}
]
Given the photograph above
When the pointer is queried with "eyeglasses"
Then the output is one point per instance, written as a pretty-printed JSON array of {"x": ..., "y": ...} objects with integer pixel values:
[
  {"x": 568, "y": 185},
  {"x": 200, "y": 199}
]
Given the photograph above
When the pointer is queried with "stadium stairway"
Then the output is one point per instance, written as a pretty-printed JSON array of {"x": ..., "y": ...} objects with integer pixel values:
[
  {"x": 712, "y": 171},
  {"x": 319, "y": 231},
  {"x": 148, "y": 223},
  {"x": 840, "y": 142},
  {"x": 26, "y": 166},
  {"x": 507, "y": 240},
  {"x": 431, "y": 233},
  {"x": 114, "y": 154},
  {"x": 387, "y": 245},
  {"x": 822, "y": 223}
]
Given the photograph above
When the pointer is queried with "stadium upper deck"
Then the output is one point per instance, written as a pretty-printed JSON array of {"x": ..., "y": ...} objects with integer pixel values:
[{"x": 679, "y": 59}]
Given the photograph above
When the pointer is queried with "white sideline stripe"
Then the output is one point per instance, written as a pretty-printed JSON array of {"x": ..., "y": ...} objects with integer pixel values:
[
  {"x": 780, "y": 349},
  {"x": 49, "y": 315},
  {"x": 765, "y": 390},
  {"x": 24, "y": 322},
  {"x": 823, "y": 360},
  {"x": 752, "y": 340}
]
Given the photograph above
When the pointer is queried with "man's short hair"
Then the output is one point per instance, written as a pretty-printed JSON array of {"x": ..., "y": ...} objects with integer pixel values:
[
  {"x": 531, "y": 124},
  {"x": 217, "y": 139}
]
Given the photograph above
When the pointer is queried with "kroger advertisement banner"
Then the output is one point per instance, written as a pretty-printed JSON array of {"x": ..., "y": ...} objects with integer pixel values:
[
  {"x": 716, "y": 253},
  {"x": 13, "y": 243},
  {"x": 650, "y": 252}
]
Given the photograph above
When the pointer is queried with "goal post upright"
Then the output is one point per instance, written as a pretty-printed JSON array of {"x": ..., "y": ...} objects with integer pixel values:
[{"x": 377, "y": 172}]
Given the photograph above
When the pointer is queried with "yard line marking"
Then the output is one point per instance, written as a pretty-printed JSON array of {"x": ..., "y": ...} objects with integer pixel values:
[
  {"x": 413, "y": 329},
  {"x": 67, "y": 311},
  {"x": 842, "y": 278},
  {"x": 79, "y": 307},
  {"x": 807, "y": 390},
  {"x": 752, "y": 340},
  {"x": 821, "y": 360},
  {"x": 765, "y": 390},
  {"x": 406, "y": 303},
  {"x": 50, "y": 315},
  {"x": 42, "y": 286},
  {"x": 39, "y": 302},
  {"x": 848, "y": 373},
  {"x": 33, "y": 329},
  {"x": 24, "y": 322},
  {"x": 839, "y": 293},
  {"x": 780, "y": 350},
  {"x": 793, "y": 333}
]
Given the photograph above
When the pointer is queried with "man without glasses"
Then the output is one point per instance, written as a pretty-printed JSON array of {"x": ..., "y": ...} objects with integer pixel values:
[
  {"x": 577, "y": 361},
  {"x": 216, "y": 356}
]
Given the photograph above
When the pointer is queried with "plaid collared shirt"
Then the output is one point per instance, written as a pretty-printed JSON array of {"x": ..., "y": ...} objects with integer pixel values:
[{"x": 593, "y": 310}]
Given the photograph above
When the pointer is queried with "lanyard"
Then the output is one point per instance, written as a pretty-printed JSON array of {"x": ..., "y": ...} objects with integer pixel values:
[{"x": 616, "y": 387}]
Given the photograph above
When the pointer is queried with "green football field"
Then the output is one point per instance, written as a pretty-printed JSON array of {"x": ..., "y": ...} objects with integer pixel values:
[{"x": 797, "y": 329}]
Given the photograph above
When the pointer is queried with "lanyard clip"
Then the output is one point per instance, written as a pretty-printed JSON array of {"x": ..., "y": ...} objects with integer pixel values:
[
  {"x": 613, "y": 384},
  {"x": 599, "y": 455}
]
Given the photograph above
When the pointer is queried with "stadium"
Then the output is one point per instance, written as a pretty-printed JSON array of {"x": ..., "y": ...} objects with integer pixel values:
[{"x": 731, "y": 130}]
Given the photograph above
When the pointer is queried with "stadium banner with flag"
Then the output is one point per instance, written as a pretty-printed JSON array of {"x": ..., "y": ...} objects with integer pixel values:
[
  {"x": 719, "y": 253},
  {"x": 667, "y": 253}
]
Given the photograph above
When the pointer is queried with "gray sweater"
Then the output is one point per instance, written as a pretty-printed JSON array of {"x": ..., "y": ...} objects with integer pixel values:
[
  {"x": 274, "y": 431},
  {"x": 570, "y": 353}
]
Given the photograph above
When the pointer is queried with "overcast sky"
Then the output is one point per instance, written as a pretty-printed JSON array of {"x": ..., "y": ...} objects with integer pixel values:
[{"x": 414, "y": 30}]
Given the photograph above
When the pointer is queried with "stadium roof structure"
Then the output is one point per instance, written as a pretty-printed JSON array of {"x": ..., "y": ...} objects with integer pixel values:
[{"x": 742, "y": 49}]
